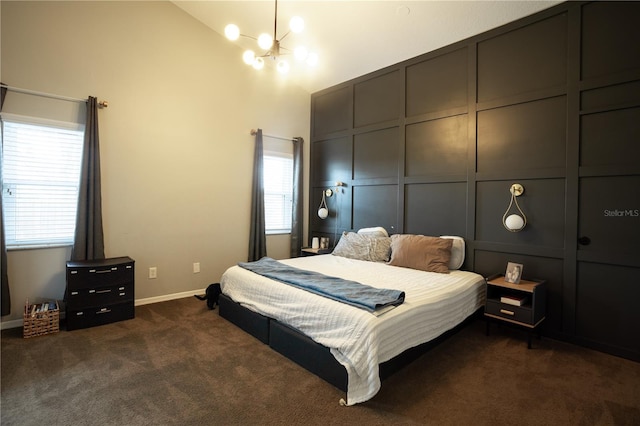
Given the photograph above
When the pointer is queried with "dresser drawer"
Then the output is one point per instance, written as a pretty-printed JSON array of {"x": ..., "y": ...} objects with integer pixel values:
[
  {"x": 89, "y": 317},
  {"x": 510, "y": 312},
  {"x": 97, "y": 296},
  {"x": 101, "y": 273}
]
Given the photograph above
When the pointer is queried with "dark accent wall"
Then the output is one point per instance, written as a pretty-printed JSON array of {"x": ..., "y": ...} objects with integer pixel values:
[{"x": 552, "y": 101}]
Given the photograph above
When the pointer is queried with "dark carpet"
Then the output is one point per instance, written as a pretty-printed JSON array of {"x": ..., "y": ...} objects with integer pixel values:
[{"x": 178, "y": 363}]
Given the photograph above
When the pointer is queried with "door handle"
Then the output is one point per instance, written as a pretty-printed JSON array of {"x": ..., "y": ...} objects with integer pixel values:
[{"x": 584, "y": 241}]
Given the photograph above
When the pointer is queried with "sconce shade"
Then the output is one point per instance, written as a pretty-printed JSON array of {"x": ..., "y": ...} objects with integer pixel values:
[{"x": 514, "y": 222}]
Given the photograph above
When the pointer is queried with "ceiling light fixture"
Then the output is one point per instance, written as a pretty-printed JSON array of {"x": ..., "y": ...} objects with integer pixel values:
[{"x": 272, "y": 47}]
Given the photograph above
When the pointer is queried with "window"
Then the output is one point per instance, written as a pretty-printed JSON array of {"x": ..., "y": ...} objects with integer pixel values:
[
  {"x": 278, "y": 190},
  {"x": 40, "y": 171}
]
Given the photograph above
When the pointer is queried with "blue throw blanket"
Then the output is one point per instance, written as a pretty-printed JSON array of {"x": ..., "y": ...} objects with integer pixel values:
[{"x": 350, "y": 292}]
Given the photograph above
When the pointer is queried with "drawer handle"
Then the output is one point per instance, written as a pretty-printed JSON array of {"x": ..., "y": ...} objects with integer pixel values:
[
  {"x": 105, "y": 271},
  {"x": 504, "y": 311},
  {"x": 104, "y": 291},
  {"x": 74, "y": 293},
  {"x": 103, "y": 311}
]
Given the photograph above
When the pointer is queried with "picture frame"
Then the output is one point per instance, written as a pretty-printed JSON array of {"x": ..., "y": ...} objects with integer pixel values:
[{"x": 513, "y": 273}]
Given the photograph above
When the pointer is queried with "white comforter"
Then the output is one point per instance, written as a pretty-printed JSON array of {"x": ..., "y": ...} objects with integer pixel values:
[{"x": 360, "y": 341}]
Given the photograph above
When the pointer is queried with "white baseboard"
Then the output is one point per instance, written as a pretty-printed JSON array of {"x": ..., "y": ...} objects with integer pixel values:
[
  {"x": 11, "y": 324},
  {"x": 167, "y": 297},
  {"x": 146, "y": 301}
]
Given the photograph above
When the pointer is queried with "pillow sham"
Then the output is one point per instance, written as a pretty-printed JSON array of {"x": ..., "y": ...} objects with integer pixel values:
[
  {"x": 363, "y": 247},
  {"x": 457, "y": 251},
  {"x": 431, "y": 254},
  {"x": 378, "y": 231}
]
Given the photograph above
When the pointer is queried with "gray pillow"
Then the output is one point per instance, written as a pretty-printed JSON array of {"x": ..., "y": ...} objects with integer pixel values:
[{"x": 363, "y": 247}]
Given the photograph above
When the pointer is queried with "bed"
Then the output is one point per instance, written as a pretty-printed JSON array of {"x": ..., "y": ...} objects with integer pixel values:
[{"x": 348, "y": 346}]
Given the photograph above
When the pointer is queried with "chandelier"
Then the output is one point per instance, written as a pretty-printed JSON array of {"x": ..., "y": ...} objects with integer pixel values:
[{"x": 272, "y": 46}]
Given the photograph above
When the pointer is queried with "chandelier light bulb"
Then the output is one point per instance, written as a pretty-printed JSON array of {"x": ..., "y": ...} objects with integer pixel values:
[
  {"x": 248, "y": 57},
  {"x": 258, "y": 63},
  {"x": 283, "y": 67},
  {"x": 265, "y": 41},
  {"x": 232, "y": 32},
  {"x": 312, "y": 59},
  {"x": 301, "y": 53},
  {"x": 296, "y": 24},
  {"x": 270, "y": 46}
]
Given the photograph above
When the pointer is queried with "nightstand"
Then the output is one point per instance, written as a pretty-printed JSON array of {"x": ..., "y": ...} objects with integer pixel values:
[
  {"x": 522, "y": 304},
  {"x": 308, "y": 251}
]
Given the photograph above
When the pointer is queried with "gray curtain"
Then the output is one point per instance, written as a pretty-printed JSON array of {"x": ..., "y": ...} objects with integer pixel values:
[
  {"x": 296, "y": 207},
  {"x": 6, "y": 297},
  {"x": 257, "y": 237},
  {"x": 89, "y": 238}
]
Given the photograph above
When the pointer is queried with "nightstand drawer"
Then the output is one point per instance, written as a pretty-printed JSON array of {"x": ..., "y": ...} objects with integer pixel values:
[{"x": 510, "y": 312}]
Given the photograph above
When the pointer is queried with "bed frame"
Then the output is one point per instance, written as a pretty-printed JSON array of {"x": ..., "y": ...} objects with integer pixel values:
[{"x": 308, "y": 354}]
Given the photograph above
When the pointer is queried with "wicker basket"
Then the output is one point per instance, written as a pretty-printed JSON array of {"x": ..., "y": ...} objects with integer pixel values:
[{"x": 38, "y": 322}]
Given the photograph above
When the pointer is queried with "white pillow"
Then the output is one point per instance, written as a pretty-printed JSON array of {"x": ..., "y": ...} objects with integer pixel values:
[
  {"x": 457, "y": 252},
  {"x": 377, "y": 231}
]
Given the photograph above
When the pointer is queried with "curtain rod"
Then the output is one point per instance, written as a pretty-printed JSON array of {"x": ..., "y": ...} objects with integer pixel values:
[
  {"x": 101, "y": 104},
  {"x": 254, "y": 131}
]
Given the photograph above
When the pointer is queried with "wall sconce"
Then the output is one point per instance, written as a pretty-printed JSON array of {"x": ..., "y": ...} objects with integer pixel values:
[
  {"x": 514, "y": 222},
  {"x": 323, "y": 210}
]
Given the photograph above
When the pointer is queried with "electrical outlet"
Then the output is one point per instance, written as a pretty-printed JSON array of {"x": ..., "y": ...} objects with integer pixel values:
[
  {"x": 196, "y": 267},
  {"x": 153, "y": 272}
]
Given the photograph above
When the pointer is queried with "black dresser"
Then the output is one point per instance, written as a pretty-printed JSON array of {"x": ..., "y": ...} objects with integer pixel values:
[{"x": 99, "y": 292}]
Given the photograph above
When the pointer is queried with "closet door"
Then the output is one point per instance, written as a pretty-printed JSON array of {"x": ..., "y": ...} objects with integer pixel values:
[{"x": 608, "y": 268}]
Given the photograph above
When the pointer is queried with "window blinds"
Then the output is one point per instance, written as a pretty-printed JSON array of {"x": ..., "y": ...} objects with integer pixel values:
[
  {"x": 40, "y": 170},
  {"x": 278, "y": 188}
]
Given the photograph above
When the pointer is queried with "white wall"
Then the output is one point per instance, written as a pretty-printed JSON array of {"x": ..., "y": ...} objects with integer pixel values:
[{"x": 176, "y": 152}]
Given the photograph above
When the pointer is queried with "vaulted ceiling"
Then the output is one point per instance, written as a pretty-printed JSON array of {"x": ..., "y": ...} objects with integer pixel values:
[{"x": 353, "y": 38}]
